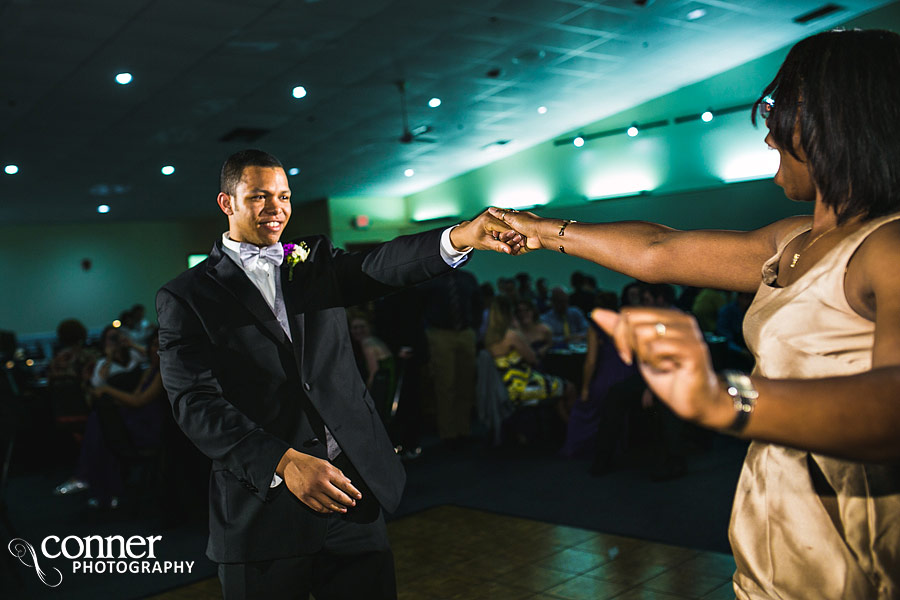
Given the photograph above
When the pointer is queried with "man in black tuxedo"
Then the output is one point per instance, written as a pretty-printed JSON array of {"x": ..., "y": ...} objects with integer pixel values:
[{"x": 257, "y": 361}]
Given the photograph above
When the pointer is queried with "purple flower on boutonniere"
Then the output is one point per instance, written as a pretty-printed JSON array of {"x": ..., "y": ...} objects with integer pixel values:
[{"x": 295, "y": 254}]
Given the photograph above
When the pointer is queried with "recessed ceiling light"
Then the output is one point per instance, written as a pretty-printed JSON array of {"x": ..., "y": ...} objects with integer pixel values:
[
  {"x": 632, "y": 131},
  {"x": 696, "y": 14},
  {"x": 542, "y": 110},
  {"x": 409, "y": 172},
  {"x": 167, "y": 170},
  {"x": 707, "y": 116},
  {"x": 293, "y": 171},
  {"x": 103, "y": 209},
  {"x": 11, "y": 169},
  {"x": 579, "y": 142},
  {"x": 124, "y": 78},
  {"x": 299, "y": 92},
  {"x": 434, "y": 102}
]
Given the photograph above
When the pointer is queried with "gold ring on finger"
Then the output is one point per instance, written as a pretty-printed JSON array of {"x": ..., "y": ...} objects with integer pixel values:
[{"x": 660, "y": 329}]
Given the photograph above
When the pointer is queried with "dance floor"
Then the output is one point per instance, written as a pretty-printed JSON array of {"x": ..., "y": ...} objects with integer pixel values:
[{"x": 466, "y": 554}]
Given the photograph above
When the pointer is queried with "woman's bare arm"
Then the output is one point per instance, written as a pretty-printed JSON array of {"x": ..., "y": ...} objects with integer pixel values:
[{"x": 728, "y": 260}]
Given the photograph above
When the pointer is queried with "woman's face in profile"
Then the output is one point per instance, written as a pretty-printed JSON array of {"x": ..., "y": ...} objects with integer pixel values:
[{"x": 793, "y": 174}]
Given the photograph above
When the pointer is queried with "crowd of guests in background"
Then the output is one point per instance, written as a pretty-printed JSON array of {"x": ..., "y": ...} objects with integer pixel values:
[
  {"x": 531, "y": 361},
  {"x": 107, "y": 406},
  {"x": 528, "y": 357}
]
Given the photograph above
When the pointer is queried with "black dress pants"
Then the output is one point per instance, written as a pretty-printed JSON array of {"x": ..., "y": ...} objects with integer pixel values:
[{"x": 355, "y": 562}]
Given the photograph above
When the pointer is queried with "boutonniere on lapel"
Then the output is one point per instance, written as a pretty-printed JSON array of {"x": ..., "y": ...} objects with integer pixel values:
[{"x": 295, "y": 254}]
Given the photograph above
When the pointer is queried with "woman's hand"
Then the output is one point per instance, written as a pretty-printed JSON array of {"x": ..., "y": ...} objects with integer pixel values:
[{"x": 674, "y": 360}]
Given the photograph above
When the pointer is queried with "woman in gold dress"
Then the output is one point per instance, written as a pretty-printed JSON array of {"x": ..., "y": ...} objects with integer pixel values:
[{"x": 817, "y": 509}]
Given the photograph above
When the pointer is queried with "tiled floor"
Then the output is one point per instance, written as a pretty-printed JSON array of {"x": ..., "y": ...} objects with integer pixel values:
[{"x": 459, "y": 553}]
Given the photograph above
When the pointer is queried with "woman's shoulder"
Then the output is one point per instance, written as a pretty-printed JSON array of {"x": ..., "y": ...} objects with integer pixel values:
[
  {"x": 785, "y": 230},
  {"x": 880, "y": 248}
]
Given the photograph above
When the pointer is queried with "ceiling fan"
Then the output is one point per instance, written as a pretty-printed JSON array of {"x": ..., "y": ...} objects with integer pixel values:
[{"x": 416, "y": 134}]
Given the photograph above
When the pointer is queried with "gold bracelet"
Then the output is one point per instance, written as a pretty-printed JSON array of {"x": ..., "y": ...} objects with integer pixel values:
[{"x": 562, "y": 232}]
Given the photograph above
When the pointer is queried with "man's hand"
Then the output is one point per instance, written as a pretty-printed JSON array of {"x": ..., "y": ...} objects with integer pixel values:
[
  {"x": 486, "y": 232},
  {"x": 317, "y": 483},
  {"x": 529, "y": 225}
]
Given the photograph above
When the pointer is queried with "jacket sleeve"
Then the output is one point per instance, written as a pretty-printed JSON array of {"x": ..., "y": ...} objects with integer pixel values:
[
  {"x": 210, "y": 421},
  {"x": 402, "y": 262}
]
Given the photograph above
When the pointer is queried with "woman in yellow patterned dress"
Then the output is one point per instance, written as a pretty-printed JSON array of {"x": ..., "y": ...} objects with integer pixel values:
[{"x": 516, "y": 359}]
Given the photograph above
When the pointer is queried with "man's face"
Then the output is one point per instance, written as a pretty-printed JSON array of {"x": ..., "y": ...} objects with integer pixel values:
[{"x": 260, "y": 208}]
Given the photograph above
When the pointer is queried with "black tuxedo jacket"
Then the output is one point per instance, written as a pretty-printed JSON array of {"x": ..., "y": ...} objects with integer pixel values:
[{"x": 244, "y": 393}]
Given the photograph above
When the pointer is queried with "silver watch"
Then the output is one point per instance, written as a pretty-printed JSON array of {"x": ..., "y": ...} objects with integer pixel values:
[{"x": 740, "y": 387}]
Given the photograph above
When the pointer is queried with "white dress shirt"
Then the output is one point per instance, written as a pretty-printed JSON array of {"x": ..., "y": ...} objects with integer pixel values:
[{"x": 263, "y": 276}]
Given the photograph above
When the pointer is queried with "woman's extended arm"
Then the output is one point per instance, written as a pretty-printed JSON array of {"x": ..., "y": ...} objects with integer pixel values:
[{"x": 729, "y": 260}]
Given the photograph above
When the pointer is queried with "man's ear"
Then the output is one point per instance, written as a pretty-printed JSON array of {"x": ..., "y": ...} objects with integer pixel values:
[{"x": 224, "y": 202}]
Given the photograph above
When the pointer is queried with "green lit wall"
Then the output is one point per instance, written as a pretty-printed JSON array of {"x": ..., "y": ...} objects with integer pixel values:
[{"x": 684, "y": 170}]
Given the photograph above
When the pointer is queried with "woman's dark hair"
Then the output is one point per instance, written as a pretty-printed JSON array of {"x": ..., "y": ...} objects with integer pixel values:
[
  {"x": 234, "y": 166},
  {"x": 842, "y": 87}
]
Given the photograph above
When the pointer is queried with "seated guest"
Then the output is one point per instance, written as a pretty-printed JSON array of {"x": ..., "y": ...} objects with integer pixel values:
[
  {"x": 567, "y": 323},
  {"x": 541, "y": 295},
  {"x": 140, "y": 412},
  {"x": 584, "y": 292},
  {"x": 706, "y": 308},
  {"x": 523, "y": 282},
  {"x": 119, "y": 368},
  {"x": 536, "y": 333},
  {"x": 67, "y": 380},
  {"x": 142, "y": 408},
  {"x": 375, "y": 362},
  {"x": 120, "y": 355},
  {"x": 506, "y": 286},
  {"x": 139, "y": 327},
  {"x": 515, "y": 360},
  {"x": 633, "y": 294},
  {"x": 72, "y": 362}
]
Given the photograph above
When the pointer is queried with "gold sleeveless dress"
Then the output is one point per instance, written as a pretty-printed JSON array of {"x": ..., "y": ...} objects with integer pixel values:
[{"x": 806, "y": 525}]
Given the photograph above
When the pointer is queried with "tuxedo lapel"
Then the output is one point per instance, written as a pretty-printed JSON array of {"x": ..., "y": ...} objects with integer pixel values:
[
  {"x": 295, "y": 317},
  {"x": 227, "y": 274}
]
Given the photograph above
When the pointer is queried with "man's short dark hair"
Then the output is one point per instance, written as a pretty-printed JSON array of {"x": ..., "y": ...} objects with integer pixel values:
[
  {"x": 843, "y": 87},
  {"x": 235, "y": 164}
]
